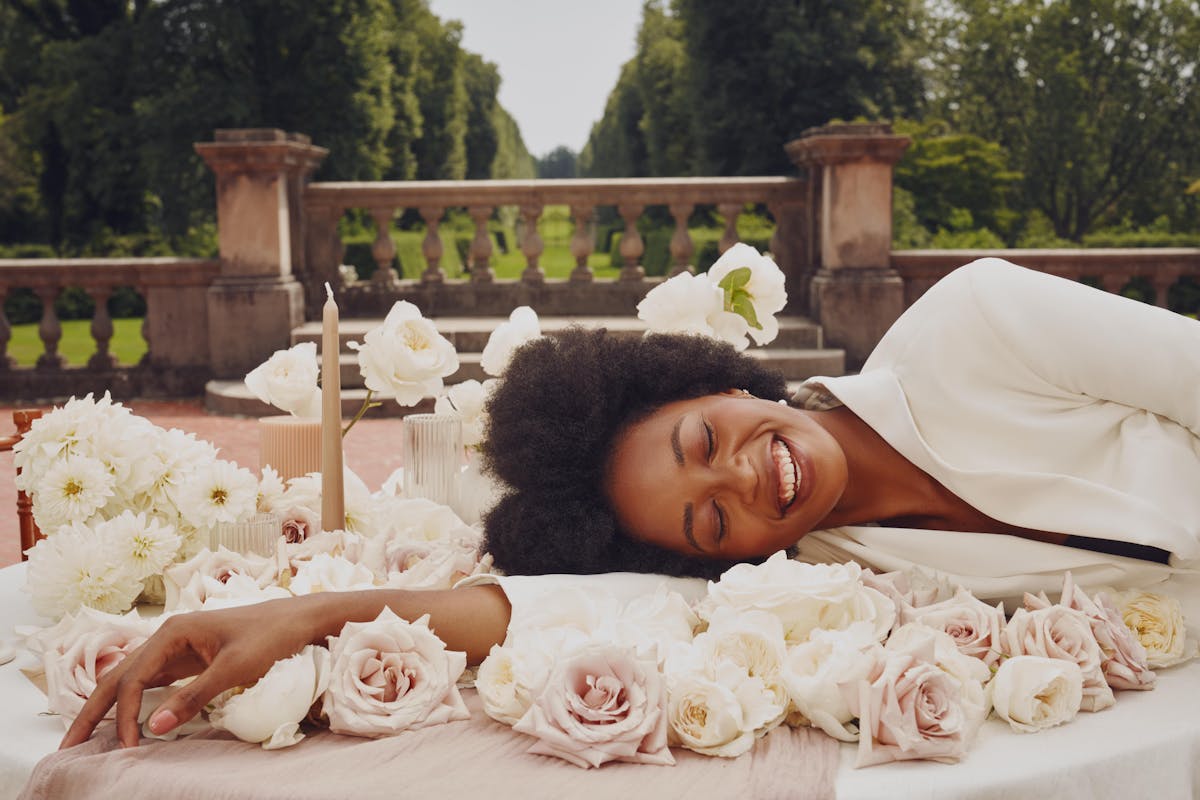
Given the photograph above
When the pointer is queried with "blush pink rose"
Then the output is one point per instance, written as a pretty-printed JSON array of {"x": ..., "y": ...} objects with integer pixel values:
[
  {"x": 972, "y": 624},
  {"x": 1061, "y": 632},
  {"x": 391, "y": 675},
  {"x": 908, "y": 708},
  {"x": 601, "y": 704},
  {"x": 299, "y": 523},
  {"x": 80, "y": 650},
  {"x": 1123, "y": 658}
]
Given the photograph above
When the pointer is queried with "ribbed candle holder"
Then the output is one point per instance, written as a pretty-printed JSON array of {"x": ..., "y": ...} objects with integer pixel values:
[
  {"x": 258, "y": 535},
  {"x": 433, "y": 454},
  {"x": 290, "y": 445}
]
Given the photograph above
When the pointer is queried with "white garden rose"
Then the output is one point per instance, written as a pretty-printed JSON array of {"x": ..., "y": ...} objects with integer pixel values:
[
  {"x": 405, "y": 358},
  {"x": 512, "y": 675},
  {"x": 720, "y": 711},
  {"x": 1032, "y": 693},
  {"x": 683, "y": 304},
  {"x": 288, "y": 381},
  {"x": 326, "y": 573},
  {"x": 764, "y": 288},
  {"x": 751, "y": 640},
  {"x": 803, "y": 596},
  {"x": 815, "y": 669},
  {"x": 362, "y": 510},
  {"x": 467, "y": 400},
  {"x": 219, "y": 567},
  {"x": 271, "y": 710},
  {"x": 1157, "y": 622},
  {"x": 970, "y": 672},
  {"x": 522, "y": 326},
  {"x": 390, "y": 675},
  {"x": 651, "y": 623}
]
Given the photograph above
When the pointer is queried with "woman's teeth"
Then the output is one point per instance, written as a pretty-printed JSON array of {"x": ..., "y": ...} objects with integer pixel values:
[{"x": 789, "y": 473}]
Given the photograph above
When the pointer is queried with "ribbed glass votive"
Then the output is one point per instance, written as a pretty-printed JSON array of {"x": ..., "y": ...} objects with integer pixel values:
[
  {"x": 433, "y": 453},
  {"x": 257, "y": 535}
]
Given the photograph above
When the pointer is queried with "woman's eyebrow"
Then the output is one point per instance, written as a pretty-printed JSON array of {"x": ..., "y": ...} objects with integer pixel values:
[{"x": 676, "y": 447}]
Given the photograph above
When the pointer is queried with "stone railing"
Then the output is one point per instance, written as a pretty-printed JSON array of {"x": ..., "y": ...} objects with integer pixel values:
[
  {"x": 1112, "y": 270},
  {"x": 482, "y": 293},
  {"x": 175, "y": 327}
]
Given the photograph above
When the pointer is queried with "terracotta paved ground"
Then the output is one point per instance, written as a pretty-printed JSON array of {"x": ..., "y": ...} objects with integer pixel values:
[{"x": 372, "y": 451}]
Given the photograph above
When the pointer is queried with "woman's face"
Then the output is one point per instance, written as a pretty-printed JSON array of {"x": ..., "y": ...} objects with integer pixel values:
[{"x": 724, "y": 476}]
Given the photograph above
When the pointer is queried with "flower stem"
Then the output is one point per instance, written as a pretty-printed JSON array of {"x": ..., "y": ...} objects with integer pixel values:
[{"x": 366, "y": 406}]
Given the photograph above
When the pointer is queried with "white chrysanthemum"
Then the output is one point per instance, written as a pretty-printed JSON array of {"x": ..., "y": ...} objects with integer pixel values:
[
  {"x": 146, "y": 545},
  {"x": 175, "y": 456},
  {"x": 270, "y": 491},
  {"x": 72, "y": 568},
  {"x": 64, "y": 431},
  {"x": 73, "y": 490},
  {"x": 121, "y": 444},
  {"x": 217, "y": 492}
]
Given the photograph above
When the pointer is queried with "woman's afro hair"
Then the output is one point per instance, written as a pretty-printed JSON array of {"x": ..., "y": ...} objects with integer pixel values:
[{"x": 554, "y": 419}]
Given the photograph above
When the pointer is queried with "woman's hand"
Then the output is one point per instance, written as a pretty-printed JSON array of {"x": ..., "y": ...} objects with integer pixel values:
[
  {"x": 236, "y": 646},
  {"x": 224, "y": 649}
]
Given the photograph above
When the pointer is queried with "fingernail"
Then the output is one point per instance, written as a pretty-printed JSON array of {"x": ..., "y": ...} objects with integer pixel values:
[{"x": 163, "y": 720}]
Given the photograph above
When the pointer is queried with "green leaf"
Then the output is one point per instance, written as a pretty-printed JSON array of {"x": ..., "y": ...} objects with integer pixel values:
[
  {"x": 744, "y": 306},
  {"x": 737, "y": 279}
]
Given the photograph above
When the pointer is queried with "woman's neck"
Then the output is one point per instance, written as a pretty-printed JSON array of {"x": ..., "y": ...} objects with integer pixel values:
[{"x": 881, "y": 484}]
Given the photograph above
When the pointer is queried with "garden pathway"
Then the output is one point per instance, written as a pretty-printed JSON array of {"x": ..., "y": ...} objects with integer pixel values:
[{"x": 372, "y": 451}]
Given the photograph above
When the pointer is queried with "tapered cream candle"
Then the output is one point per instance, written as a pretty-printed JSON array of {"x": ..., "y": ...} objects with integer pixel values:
[{"x": 333, "y": 508}]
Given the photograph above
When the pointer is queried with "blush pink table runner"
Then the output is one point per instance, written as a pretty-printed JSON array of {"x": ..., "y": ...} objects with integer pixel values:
[{"x": 477, "y": 758}]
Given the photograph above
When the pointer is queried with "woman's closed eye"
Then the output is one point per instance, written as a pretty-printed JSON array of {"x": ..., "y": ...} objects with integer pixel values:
[{"x": 710, "y": 451}]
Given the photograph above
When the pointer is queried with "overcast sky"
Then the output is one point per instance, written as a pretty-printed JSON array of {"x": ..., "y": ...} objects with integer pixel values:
[{"x": 558, "y": 59}]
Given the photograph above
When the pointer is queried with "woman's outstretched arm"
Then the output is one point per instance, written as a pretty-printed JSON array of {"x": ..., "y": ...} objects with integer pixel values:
[{"x": 236, "y": 646}]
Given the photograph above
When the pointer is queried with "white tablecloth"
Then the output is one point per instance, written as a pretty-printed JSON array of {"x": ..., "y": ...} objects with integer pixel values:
[{"x": 1147, "y": 746}]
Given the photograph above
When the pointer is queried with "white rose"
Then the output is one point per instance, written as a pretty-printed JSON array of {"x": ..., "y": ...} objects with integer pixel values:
[
  {"x": 970, "y": 672},
  {"x": 1157, "y": 622},
  {"x": 509, "y": 680},
  {"x": 764, "y": 289},
  {"x": 401, "y": 564},
  {"x": 335, "y": 543},
  {"x": 271, "y": 710},
  {"x": 705, "y": 716},
  {"x": 390, "y": 675},
  {"x": 363, "y": 513},
  {"x": 815, "y": 668},
  {"x": 682, "y": 304},
  {"x": 650, "y": 623},
  {"x": 405, "y": 357},
  {"x": 288, "y": 381},
  {"x": 522, "y": 326},
  {"x": 467, "y": 399},
  {"x": 419, "y": 520},
  {"x": 803, "y": 596},
  {"x": 326, "y": 573},
  {"x": 1032, "y": 693}
]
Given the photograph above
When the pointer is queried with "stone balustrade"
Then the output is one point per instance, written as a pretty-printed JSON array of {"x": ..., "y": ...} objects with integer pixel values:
[
  {"x": 175, "y": 327},
  {"x": 1158, "y": 269},
  {"x": 482, "y": 293}
]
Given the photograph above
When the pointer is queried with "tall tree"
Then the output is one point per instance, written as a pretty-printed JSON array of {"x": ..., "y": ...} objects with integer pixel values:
[{"x": 1097, "y": 100}]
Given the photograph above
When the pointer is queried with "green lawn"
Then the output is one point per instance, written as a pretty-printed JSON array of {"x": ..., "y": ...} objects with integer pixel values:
[{"x": 77, "y": 343}]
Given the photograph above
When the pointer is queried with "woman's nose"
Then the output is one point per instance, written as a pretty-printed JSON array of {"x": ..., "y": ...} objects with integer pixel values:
[{"x": 739, "y": 478}]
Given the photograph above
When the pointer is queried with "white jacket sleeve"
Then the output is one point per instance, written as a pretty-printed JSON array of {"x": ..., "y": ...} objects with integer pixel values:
[{"x": 1091, "y": 342}]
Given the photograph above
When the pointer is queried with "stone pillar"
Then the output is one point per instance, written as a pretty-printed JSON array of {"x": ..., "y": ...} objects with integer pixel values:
[
  {"x": 854, "y": 294},
  {"x": 256, "y": 302}
]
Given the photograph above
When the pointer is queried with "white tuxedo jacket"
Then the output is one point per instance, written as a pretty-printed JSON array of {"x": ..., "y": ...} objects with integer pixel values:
[{"x": 1045, "y": 404}]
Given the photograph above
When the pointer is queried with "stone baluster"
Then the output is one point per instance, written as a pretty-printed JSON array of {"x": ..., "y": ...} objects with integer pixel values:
[
  {"x": 681, "y": 240},
  {"x": 383, "y": 250},
  {"x": 49, "y": 329},
  {"x": 729, "y": 237},
  {"x": 6, "y": 361},
  {"x": 102, "y": 328},
  {"x": 324, "y": 252},
  {"x": 481, "y": 246},
  {"x": 531, "y": 244},
  {"x": 1161, "y": 283},
  {"x": 581, "y": 243},
  {"x": 431, "y": 245},
  {"x": 632, "y": 246},
  {"x": 148, "y": 356}
]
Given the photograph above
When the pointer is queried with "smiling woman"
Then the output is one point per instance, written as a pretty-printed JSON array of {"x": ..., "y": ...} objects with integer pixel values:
[{"x": 995, "y": 405}]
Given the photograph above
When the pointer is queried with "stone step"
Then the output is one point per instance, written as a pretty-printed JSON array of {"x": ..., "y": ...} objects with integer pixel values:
[
  {"x": 470, "y": 334},
  {"x": 232, "y": 398}
]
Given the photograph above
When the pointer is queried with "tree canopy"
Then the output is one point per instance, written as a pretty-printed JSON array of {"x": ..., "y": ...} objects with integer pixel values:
[{"x": 101, "y": 100}]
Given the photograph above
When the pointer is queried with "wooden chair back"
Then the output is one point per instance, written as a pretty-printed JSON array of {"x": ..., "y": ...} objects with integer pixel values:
[{"x": 22, "y": 420}]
